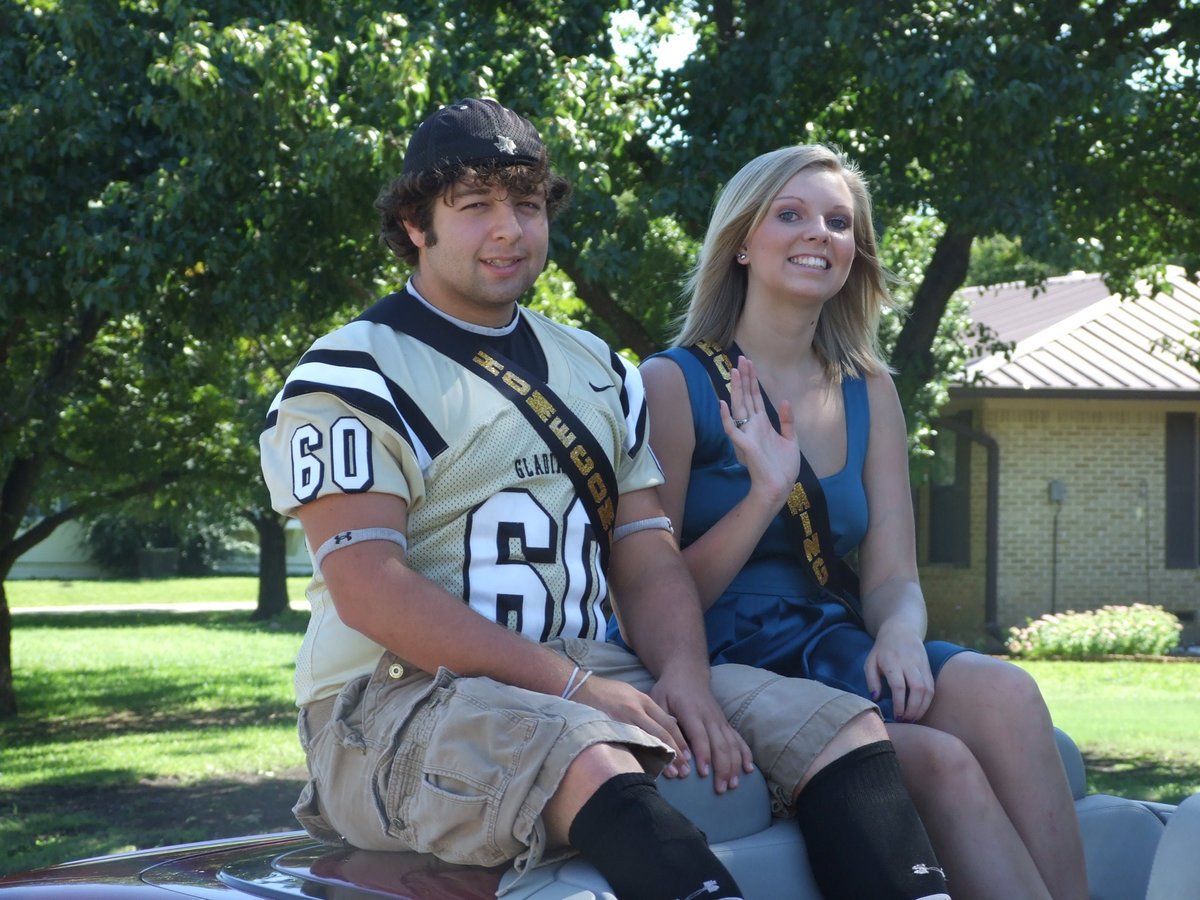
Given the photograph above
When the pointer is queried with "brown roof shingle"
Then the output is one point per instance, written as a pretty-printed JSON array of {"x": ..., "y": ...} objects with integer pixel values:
[{"x": 1076, "y": 336}]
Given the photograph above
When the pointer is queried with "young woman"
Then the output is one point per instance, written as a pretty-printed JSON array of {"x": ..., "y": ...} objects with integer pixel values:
[{"x": 776, "y": 372}]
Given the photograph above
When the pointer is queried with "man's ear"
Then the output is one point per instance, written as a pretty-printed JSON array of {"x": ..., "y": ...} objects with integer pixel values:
[{"x": 415, "y": 234}]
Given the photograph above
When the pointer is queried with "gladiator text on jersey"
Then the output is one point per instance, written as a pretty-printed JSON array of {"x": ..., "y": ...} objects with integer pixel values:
[{"x": 538, "y": 464}]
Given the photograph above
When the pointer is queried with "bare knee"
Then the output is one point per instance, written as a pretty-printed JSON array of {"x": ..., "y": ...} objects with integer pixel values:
[
  {"x": 1023, "y": 691},
  {"x": 591, "y": 768},
  {"x": 938, "y": 766},
  {"x": 936, "y": 752},
  {"x": 865, "y": 728},
  {"x": 980, "y": 698}
]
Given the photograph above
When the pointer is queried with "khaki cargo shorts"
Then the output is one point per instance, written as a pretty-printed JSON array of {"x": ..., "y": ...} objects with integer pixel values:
[
  {"x": 787, "y": 722},
  {"x": 463, "y": 767}
]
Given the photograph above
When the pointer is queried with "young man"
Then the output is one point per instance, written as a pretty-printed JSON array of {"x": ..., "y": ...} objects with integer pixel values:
[{"x": 475, "y": 484}]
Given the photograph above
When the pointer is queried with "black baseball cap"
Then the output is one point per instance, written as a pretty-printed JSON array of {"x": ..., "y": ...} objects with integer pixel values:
[{"x": 472, "y": 133}]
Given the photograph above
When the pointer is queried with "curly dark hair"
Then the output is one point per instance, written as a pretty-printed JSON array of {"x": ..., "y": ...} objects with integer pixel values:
[{"x": 410, "y": 198}]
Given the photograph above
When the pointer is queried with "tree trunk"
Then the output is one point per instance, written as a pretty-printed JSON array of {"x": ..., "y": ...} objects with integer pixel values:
[
  {"x": 272, "y": 565},
  {"x": 630, "y": 332},
  {"x": 912, "y": 355},
  {"x": 8, "y": 694}
]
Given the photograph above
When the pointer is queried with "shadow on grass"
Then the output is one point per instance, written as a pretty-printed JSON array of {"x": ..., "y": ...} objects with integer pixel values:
[
  {"x": 128, "y": 699},
  {"x": 293, "y": 621},
  {"x": 49, "y": 823},
  {"x": 1142, "y": 777},
  {"x": 127, "y": 717}
]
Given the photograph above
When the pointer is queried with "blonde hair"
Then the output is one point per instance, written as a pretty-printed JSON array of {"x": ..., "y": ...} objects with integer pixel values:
[{"x": 847, "y": 335}]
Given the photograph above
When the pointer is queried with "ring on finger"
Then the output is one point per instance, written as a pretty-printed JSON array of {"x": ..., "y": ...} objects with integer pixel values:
[{"x": 740, "y": 422}]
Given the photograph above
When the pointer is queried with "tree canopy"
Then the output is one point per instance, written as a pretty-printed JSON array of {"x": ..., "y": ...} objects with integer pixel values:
[
  {"x": 1056, "y": 124},
  {"x": 187, "y": 193}
]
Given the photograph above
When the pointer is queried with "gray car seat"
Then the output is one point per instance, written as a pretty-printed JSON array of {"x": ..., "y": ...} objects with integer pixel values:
[
  {"x": 1176, "y": 871},
  {"x": 1120, "y": 836}
]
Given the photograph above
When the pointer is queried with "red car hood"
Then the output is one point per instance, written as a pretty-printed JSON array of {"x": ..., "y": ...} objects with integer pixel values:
[{"x": 278, "y": 866}]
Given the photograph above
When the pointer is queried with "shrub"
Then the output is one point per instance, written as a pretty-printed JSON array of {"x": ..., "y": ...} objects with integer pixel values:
[
  {"x": 114, "y": 539},
  {"x": 1137, "y": 630}
]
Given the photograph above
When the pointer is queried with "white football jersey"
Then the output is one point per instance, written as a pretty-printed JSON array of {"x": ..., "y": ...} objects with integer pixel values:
[{"x": 492, "y": 516}]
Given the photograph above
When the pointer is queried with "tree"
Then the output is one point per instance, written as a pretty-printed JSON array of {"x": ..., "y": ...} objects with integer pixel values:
[
  {"x": 259, "y": 367},
  {"x": 1053, "y": 124},
  {"x": 413, "y": 64},
  {"x": 154, "y": 188},
  {"x": 180, "y": 187}
]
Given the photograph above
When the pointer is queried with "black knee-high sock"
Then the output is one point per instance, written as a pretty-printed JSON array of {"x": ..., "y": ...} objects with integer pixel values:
[
  {"x": 862, "y": 832},
  {"x": 646, "y": 848}
]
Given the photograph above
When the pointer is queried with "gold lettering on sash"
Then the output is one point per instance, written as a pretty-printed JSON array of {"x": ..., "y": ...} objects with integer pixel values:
[
  {"x": 724, "y": 365},
  {"x": 489, "y": 365},
  {"x": 820, "y": 571},
  {"x": 583, "y": 462},
  {"x": 798, "y": 505},
  {"x": 520, "y": 385},
  {"x": 597, "y": 486},
  {"x": 540, "y": 405},
  {"x": 719, "y": 357},
  {"x": 607, "y": 514},
  {"x": 603, "y": 500},
  {"x": 812, "y": 546},
  {"x": 562, "y": 431},
  {"x": 797, "y": 501}
]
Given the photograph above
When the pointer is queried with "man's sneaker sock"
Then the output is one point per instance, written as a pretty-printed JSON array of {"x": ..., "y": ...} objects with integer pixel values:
[
  {"x": 863, "y": 834},
  {"x": 646, "y": 848}
]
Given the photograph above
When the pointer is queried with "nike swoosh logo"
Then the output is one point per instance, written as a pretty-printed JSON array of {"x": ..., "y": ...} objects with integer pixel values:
[{"x": 600, "y": 387}]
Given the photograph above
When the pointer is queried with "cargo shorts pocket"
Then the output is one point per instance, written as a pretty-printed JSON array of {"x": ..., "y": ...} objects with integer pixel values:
[
  {"x": 308, "y": 813},
  {"x": 307, "y": 808},
  {"x": 346, "y": 739},
  {"x": 464, "y": 766}
]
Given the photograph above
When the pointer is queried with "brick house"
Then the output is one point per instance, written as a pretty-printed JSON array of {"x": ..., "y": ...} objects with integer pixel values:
[{"x": 1068, "y": 473}]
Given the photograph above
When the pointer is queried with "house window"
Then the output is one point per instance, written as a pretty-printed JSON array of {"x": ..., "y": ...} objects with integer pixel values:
[
  {"x": 949, "y": 495},
  {"x": 1183, "y": 488}
]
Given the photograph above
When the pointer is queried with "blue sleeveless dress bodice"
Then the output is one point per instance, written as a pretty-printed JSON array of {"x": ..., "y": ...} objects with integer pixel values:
[{"x": 773, "y": 615}]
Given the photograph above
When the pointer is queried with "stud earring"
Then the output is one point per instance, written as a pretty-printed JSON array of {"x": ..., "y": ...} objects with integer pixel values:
[{"x": 741, "y": 257}]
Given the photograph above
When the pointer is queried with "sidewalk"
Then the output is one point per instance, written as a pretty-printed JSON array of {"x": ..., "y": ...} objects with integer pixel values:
[{"x": 227, "y": 606}]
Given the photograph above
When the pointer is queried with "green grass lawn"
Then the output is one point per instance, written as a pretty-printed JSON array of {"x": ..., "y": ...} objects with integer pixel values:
[
  {"x": 188, "y": 696},
  {"x": 123, "y": 592},
  {"x": 1136, "y": 721},
  {"x": 140, "y": 728}
]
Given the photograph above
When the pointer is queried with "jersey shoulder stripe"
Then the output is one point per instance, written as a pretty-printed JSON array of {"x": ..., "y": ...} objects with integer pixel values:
[
  {"x": 625, "y": 376},
  {"x": 633, "y": 402},
  {"x": 354, "y": 378}
]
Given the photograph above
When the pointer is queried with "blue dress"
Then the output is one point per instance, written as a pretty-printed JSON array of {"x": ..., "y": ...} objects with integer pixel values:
[{"x": 770, "y": 615}]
